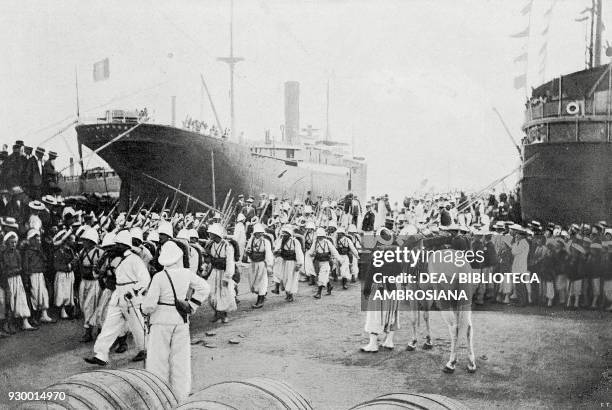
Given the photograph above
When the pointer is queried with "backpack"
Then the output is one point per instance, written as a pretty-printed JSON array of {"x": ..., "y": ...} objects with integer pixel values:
[{"x": 236, "y": 249}]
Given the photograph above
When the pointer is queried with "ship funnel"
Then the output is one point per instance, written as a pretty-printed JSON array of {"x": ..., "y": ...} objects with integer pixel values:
[
  {"x": 71, "y": 166},
  {"x": 292, "y": 112}
]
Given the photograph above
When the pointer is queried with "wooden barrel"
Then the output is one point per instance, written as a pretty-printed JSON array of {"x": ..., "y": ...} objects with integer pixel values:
[
  {"x": 416, "y": 401},
  {"x": 256, "y": 393},
  {"x": 108, "y": 389}
]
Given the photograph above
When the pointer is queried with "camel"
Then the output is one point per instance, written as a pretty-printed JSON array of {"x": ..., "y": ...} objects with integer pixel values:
[{"x": 456, "y": 314}]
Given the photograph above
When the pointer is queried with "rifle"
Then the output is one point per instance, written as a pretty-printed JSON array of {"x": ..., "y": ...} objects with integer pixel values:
[
  {"x": 164, "y": 205},
  {"x": 149, "y": 211},
  {"x": 228, "y": 216},
  {"x": 173, "y": 210},
  {"x": 202, "y": 220},
  {"x": 225, "y": 201},
  {"x": 204, "y": 204},
  {"x": 102, "y": 222},
  {"x": 136, "y": 215},
  {"x": 129, "y": 212}
]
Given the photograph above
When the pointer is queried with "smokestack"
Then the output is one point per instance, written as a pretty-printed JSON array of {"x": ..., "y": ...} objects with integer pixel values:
[
  {"x": 292, "y": 112},
  {"x": 173, "y": 105},
  {"x": 598, "y": 30},
  {"x": 71, "y": 166}
]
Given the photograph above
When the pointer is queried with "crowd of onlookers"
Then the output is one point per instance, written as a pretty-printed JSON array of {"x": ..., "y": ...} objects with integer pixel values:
[{"x": 573, "y": 262}]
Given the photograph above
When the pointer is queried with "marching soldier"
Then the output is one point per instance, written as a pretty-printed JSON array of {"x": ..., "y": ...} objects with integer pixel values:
[
  {"x": 290, "y": 261},
  {"x": 222, "y": 292},
  {"x": 347, "y": 253},
  {"x": 259, "y": 251},
  {"x": 240, "y": 233},
  {"x": 131, "y": 280},
  {"x": 323, "y": 253},
  {"x": 169, "y": 308},
  {"x": 309, "y": 238},
  {"x": 353, "y": 235}
]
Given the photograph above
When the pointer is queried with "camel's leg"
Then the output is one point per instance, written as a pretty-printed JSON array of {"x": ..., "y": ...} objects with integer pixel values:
[
  {"x": 427, "y": 345},
  {"x": 413, "y": 318},
  {"x": 450, "y": 318},
  {"x": 465, "y": 320}
]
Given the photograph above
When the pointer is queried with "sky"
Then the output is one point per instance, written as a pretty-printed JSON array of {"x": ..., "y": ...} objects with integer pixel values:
[{"x": 413, "y": 82}]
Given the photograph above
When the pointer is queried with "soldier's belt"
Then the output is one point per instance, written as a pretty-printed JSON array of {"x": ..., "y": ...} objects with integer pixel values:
[{"x": 125, "y": 283}]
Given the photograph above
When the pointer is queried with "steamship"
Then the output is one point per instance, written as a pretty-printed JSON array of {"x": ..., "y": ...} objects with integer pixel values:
[
  {"x": 567, "y": 149},
  {"x": 207, "y": 167}
]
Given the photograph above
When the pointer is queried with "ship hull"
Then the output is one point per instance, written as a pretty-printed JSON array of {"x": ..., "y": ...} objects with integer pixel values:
[
  {"x": 567, "y": 182},
  {"x": 188, "y": 159}
]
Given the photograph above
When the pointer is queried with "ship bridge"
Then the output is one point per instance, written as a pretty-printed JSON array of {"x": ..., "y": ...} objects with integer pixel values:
[{"x": 572, "y": 108}]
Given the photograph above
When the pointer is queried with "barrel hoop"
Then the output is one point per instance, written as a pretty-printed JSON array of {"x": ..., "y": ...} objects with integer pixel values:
[
  {"x": 436, "y": 398},
  {"x": 114, "y": 373},
  {"x": 264, "y": 383},
  {"x": 207, "y": 401},
  {"x": 290, "y": 397},
  {"x": 253, "y": 385},
  {"x": 141, "y": 376},
  {"x": 110, "y": 396},
  {"x": 301, "y": 398},
  {"x": 389, "y": 399},
  {"x": 401, "y": 403},
  {"x": 170, "y": 400},
  {"x": 63, "y": 403}
]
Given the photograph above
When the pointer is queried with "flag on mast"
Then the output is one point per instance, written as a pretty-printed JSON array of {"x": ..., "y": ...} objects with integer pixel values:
[
  {"x": 101, "y": 70},
  {"x": 522, "y": 57},
  {"x": 520, "y": 81}
]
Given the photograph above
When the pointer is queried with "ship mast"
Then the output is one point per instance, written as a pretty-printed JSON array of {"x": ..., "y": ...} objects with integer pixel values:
[
  {"x": 327, "y": 115},
  {"x": 231, "y": 62},
  {"x": 596, "y": 29}
]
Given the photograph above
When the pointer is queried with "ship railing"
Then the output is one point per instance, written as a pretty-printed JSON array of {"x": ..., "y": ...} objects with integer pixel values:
[
  {"x": 89, "y": 175},
  {"x": 581, "y": 107}
]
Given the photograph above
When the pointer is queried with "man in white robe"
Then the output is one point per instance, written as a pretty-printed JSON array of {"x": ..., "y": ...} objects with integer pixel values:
[{"x": 169, "y": 347}]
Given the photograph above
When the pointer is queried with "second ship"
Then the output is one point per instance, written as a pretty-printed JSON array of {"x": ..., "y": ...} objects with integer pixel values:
[{"x": 195, "y": 163}]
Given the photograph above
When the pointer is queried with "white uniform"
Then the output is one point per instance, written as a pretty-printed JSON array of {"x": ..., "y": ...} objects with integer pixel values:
[
  {"x": 169, "y": 348},
  {"x": 344, "y": 261},
  {"x": 144, "y": 254},
  {"x": 309, "y": 268},
  {"x": 240, "y": 236},
  {"x": 258, "y": 274},
  {"x": 355, "y": 263},
  {"x": 222, "y": 296},
  {"x": 17, "y": 297},
  {"x": 132, "y": 279},
  {"x": 288, "y": 269},
  {"x": 323, "y": 247}
]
